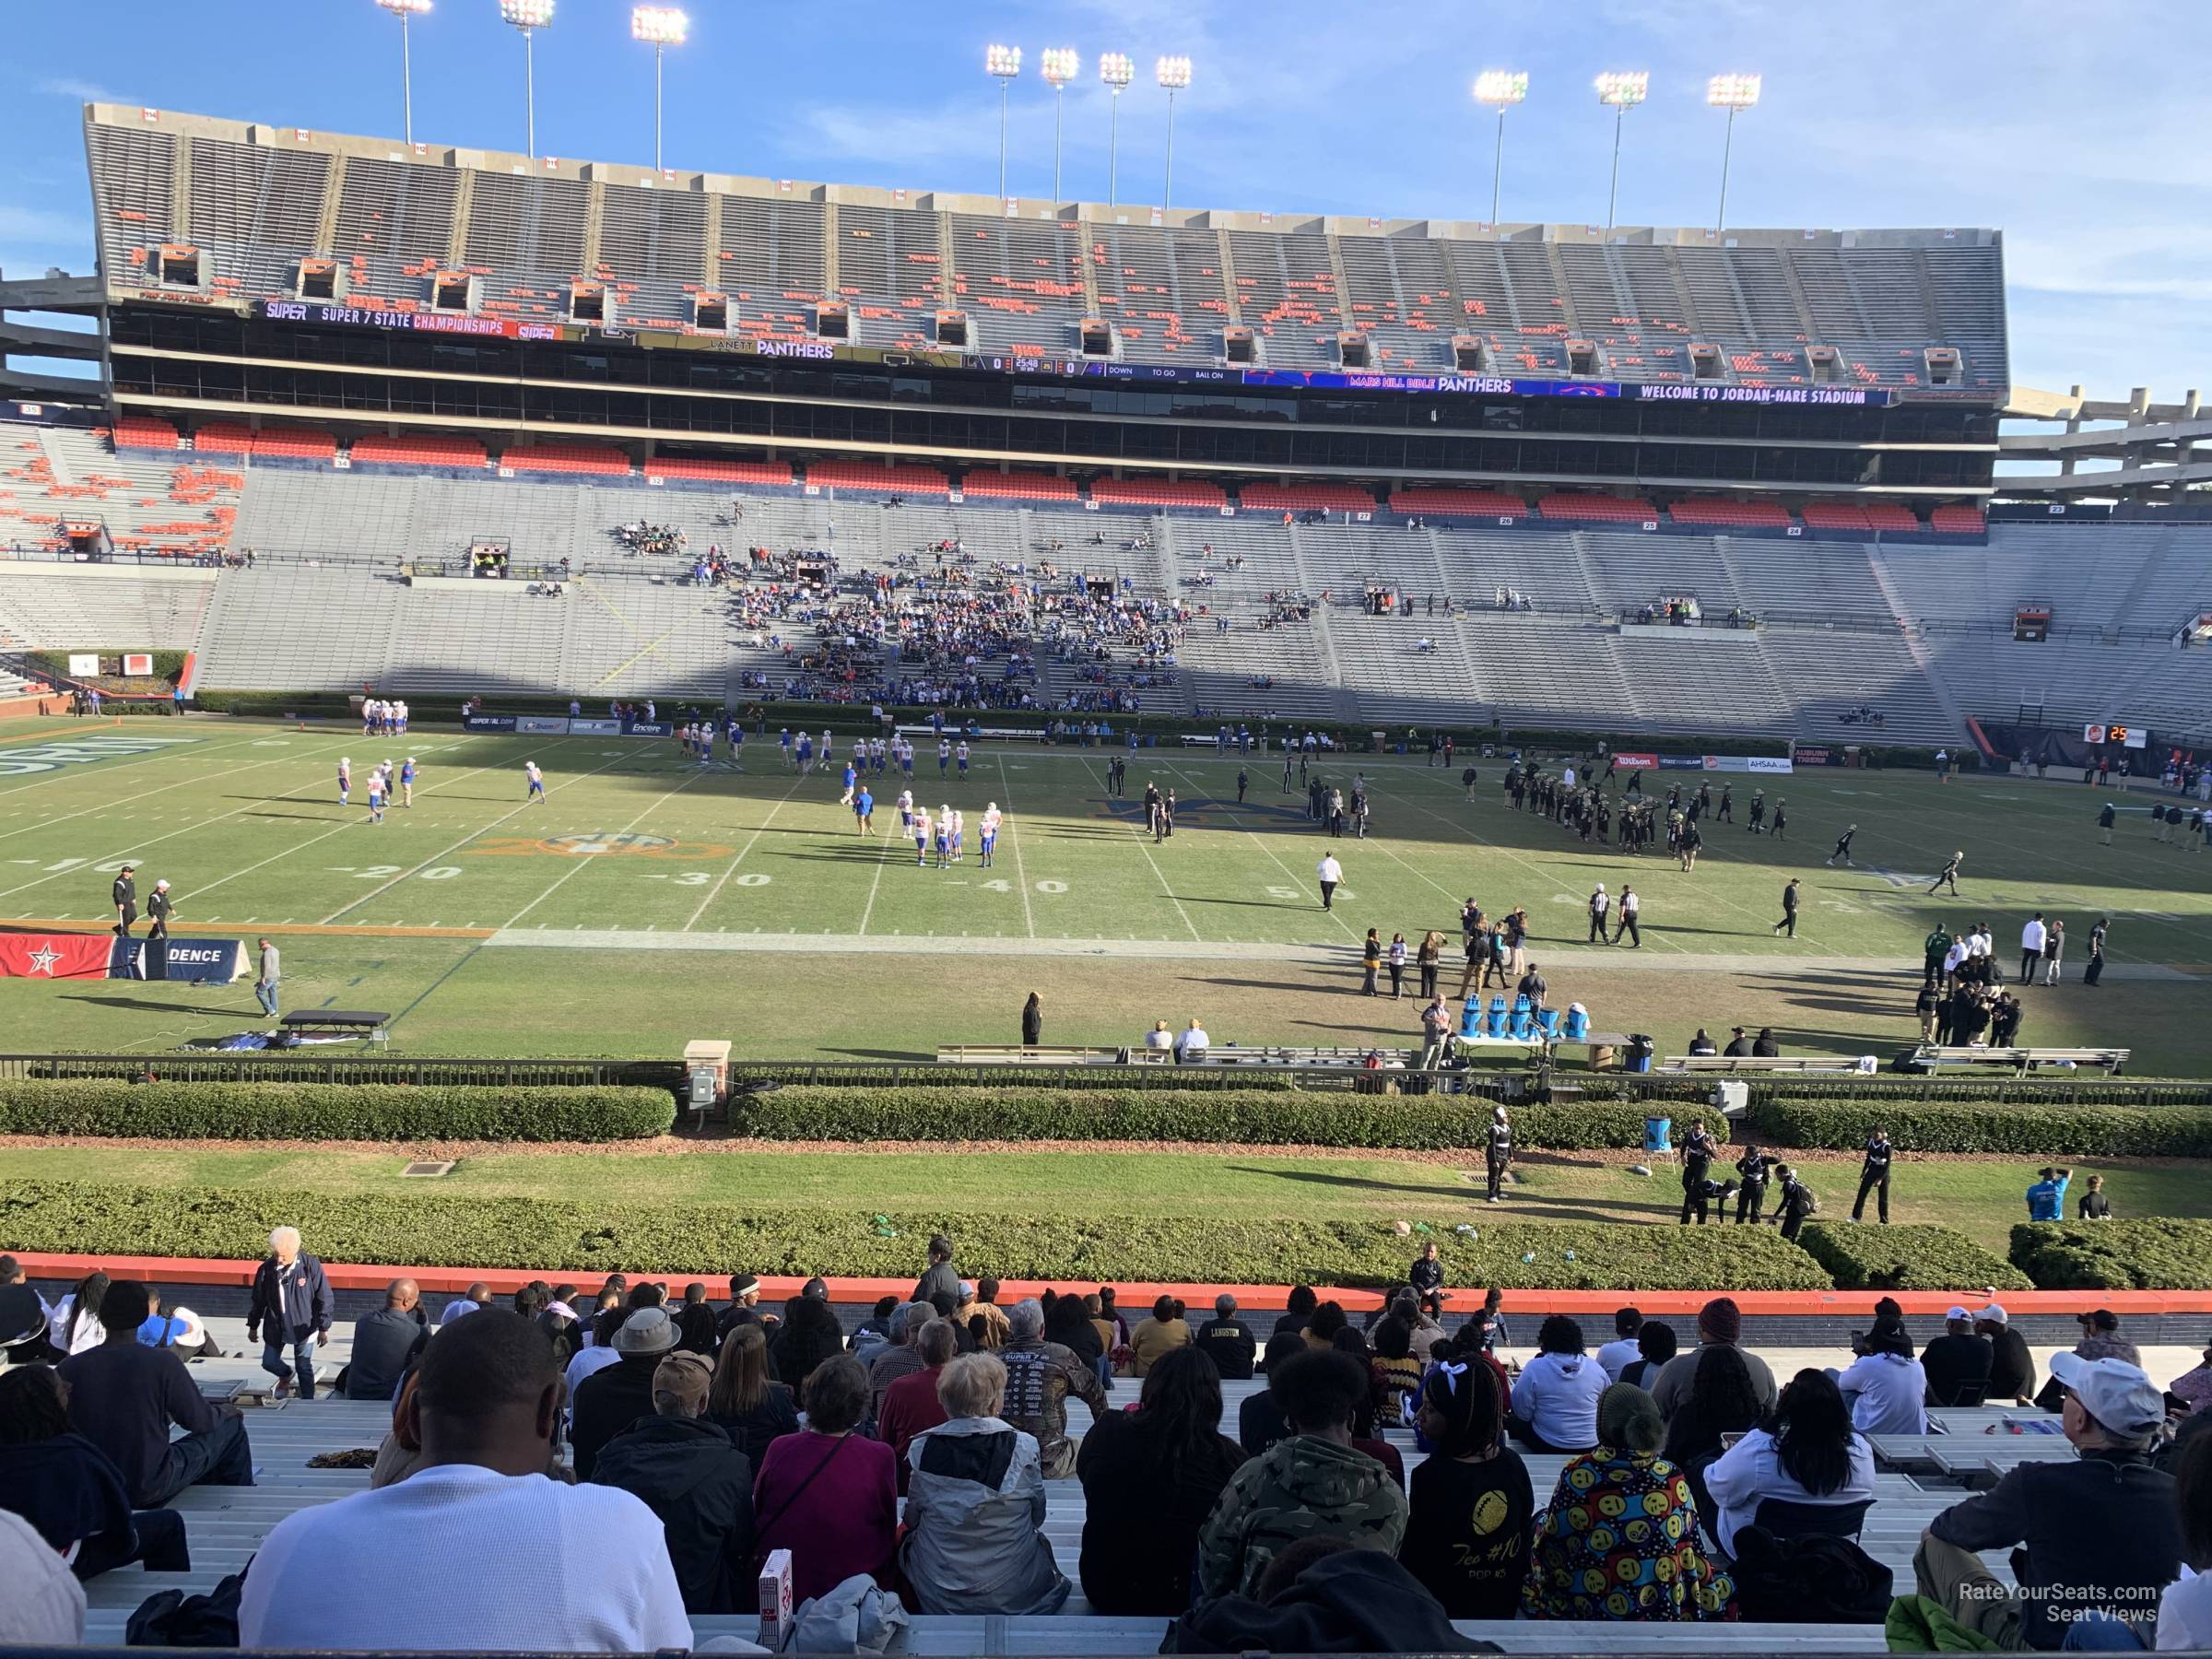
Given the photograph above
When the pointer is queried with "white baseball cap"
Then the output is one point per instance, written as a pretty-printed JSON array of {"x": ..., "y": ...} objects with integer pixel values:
[
  {"x": 2119, "y": 1395},
  {"x": 1957, "y": 1313},
  {"x": 1994, "y": 1315}
]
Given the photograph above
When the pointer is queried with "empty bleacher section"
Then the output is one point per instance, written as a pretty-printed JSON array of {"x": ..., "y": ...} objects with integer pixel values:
[
  {"x": 150, "y": 496},
  {"x": 46, "y": 607},
  {"x": 256, "y": 201}
]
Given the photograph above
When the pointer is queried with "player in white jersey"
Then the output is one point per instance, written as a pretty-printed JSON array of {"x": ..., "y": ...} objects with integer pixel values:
[
  {"x": 906, "y": 810},
  {"x": 345, "y": 779},
  {"x": 876, "y": 754},
  {"x": 992, "y": 817},
  {"x": 921, "y": 837},
  {"x": 399, "y": 717},
  {"x": 824, "y": 748},
  {"x": 944, "y": 754},
  {"x": 376, "y": 796},
  {"x": 962, "y": 754},
  {"x": 537, "y": 782},
  {"x": 944, "y": 835}
]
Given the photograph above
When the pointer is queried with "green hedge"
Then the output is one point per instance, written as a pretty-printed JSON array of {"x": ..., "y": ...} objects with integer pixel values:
[
  {"x": 1237, "y": 1117},
  {"x": 1906, "y": 1258},
  {"x": 433, "y": 1230},
  {"x": 2115, "y": 1256},
  {"x": 332, "y": 1112},
  {"x": 2035, "y": 1132}
]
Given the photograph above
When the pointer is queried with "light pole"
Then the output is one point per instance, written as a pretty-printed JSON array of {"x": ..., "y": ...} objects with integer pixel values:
[
  {"x": 1174, "y": 76},
  {"x": 1002, "y": 63},
  {"x": 1058, "y": 64},
  {"x": 1116, "y": 71},
  {"x": 403, "y": 10},
  {"x": 659, "y": 27},
  {"x": 1733, "y": 93},
  {"x": 1622, "y": 90},
  {"x": 1502, "y": 90},
  {"x": 529, "y": 15}
]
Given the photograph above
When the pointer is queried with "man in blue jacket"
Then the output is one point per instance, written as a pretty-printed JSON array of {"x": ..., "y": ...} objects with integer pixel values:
[
  {"x": 2047, "y": 1197},
  {"x": 289, "y": 1306}
]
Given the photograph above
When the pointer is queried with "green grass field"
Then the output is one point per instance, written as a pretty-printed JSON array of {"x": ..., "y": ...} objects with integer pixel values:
[
  {"x": 1978, "y": 1197},
  {"x": 648, "y": 902}
]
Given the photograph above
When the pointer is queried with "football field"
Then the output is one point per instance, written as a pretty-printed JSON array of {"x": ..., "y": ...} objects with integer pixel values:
[{"x": 647, "y": 900}]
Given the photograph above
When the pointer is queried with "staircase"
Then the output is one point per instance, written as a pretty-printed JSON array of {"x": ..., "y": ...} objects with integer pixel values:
[{"x": 1914, "y": 643}]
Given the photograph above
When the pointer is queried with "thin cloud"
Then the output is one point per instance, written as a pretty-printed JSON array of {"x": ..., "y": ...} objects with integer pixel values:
[{"x": 80, "y": 91}]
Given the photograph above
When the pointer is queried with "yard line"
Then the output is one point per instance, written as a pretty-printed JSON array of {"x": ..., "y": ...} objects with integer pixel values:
[
  {"x": 311, "y": 840},
  {"x": 869, "y": 909},
  {"x": 757, "y": 834},
  {"x": 110, "y": 806},
  {"x": 584, "y": 858},
  {"x": 1259, "y": 841},
  {"x": 136, "y": 847},
  {"x": 480, "y": 830},
  {"x": 1156, "y": 871},
  {"x": 1021, "y": 874},
  {"x": 66, "y": 776}
]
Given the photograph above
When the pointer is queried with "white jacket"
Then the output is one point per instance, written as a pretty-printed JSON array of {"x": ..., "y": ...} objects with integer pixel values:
[{"x": 1751, "y": 1472}]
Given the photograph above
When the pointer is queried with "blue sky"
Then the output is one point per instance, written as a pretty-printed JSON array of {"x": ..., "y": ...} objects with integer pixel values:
[{"x": 2075, "y": 127}]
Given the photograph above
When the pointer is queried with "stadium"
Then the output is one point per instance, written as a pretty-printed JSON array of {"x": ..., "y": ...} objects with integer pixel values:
[{"x": 568, "y": 721}]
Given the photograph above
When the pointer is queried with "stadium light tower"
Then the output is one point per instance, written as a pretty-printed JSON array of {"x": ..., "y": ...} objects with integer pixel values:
[
  {"x": 659, "y": 27},
  {"x": 1174, "y": 76},
  {"x": 1620, "y": 91},
  {"x": 1502, "y": 90},
  {"x": 404, "y": 10},
  {"x": 1734, "y": 93},
  {"x": 1115, "y": 71},
  {"x": 1059, "y": 66},
  {"x": 1002, "y": 64},
  {"x": 529, "y": 15}
]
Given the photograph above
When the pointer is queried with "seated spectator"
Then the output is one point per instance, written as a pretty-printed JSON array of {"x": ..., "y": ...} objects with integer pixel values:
[
  {"x": 1810, "y": 1454},
  {"x": 1298, "y": 1307},
  {"x": 1720, "y": 1324},
  {"x": 1582, "y": 1565},
  {"x": 2185, "y": 1610},
  {"x": 1394, "y": 1373},
  {"x": 75, "y": 1325},
  {"x": 744, "y": 1304},
  {"x": 124, "y": 1397},
  {"x": 1150, "y": 1479},
  {"x": 476, "y": 1297},
  {"x": 811, "y": 1334},
  {"x": 385, "y": 1343},
  {"x": 598, "y": 1351},
  {"x": 873, "y": 1335},
  {"x": 1958, "y": 1363},
  {"x": 1040, "y": 1377},
  {"x": 1227, "y": 1340},
  {"x": 1260, "y": 1418},
  {"x": 2101, "y": 1532},
  {"x": 1323, "y": 1324},
  {"x": 695, "y": 1323},
  {"x": 581, "y": 1569},
  {"x": 974, "y": 1540},
  {"x": 910, "y": 1405},
  {"x": 1322, "y": 1596},
  {"x": 693, "y": 1476},
  {"x": 745, "y": 1402},
  {"x": 1721, "y": 1402},
  {"x": 612, "y": 1399},
  {"x": 1886, "y": 1387},
  {"x": 1555, "y": 1399},
  {"x": 65, "y": 1487},
  {"x": 1068, "y": 1322},
  {"x": 1312, "y": 1483},
  {"x": 1623, "y": 1350},
  {"x": 559, "y": 1320},
  {"x": 2100, "y": 1339},
  {"x": 827, "y": 1494},
  {"x": 1467, "y": 1530},
  {"x": 2193, "y": 1389},
  {"x": 900, "y": 1358},
  {"x": 1655, "y": 1344},
  {"x": 1164, "y": 1331},
  {"x": 177, "y": 1328},
  {"x": 1489, "y": 1323},
  {"x": 2012, "y": 1364},
  {"x": 992, "y": 1334}
]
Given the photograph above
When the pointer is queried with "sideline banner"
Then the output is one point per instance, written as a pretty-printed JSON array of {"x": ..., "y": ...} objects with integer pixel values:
[
  {"x": 1805, "y": 755},
  {"x": 103, "y": 955},
  {"x": 648, "y": 728},
  {"x": 200, "y": 961},
  {"x": 542, "y": 725},
  {"x": 1629, "y": 760},
  {"x": 56, "y": 956},
  {"x": 594, "y": 728},
  {"x": 488, "y": 723}
]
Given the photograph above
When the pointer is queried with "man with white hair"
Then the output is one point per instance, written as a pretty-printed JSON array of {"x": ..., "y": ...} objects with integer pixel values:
[
  {"x": 2098, "y": 1534},
  {"x": 1227, "y": 1340},
  {"x": 290, "y": 1305},
  {"x": 1040, "y": 1377}
]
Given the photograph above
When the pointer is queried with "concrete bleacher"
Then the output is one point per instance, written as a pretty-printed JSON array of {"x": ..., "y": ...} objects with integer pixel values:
[
  {"x": 175, "y": 503},
  {"x": 225, "y": 1525},
  {"x": 46, "y": 607}
]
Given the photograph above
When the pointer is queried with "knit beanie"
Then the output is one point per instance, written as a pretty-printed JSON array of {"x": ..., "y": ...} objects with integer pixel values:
[{"x": 1720, "y": 1320}]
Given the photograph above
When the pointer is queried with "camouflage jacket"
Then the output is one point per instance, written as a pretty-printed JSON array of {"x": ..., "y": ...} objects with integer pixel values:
[{"x": 1301, "y": 1488}]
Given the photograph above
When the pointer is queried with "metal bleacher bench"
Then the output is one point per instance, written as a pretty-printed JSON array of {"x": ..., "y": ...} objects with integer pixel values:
[
  {"x": 1767, "y": 1062},
  {"x": 1934, "y": 1057},
  {"x": 337, "y": 1022},
  {"x": 1345, "y": 1059}
]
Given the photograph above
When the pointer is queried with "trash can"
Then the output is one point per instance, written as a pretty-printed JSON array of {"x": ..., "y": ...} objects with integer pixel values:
[
  {"x": 1639, "y": 1052},
  {"x": 1381, "y": 740},
  {"x": 1658, "y": 1136}
]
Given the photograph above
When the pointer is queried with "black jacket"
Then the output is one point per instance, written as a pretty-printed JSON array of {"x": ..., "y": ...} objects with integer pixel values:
[
  {"x": 1358, "y": 1602},
  {"x": 1260, "y": 1422},
  {"x": 65, "y": 1487},
  {"x": 607, "y": 1401},
  {"x": 1143, "y": 1505},
  {"x": 1953, "y": 1361},
  {"x": 777, "y": 1414},
  {"x": 384, "y": 1344},
  {"x": 691, "y": 1476},
  {"x": 2099, "y": 1532},
  {"x": 1229, "y": 1344},
  {"x": 287, "y": 1303}
]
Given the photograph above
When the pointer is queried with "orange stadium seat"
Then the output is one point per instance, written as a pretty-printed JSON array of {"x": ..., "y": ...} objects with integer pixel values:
[
  {"x": 587, "y": 458},
  {"x": 1720, "y": 511},
  {"x": 223, "y": 439},
  {"x": 1158, "y": 493},
  {"x": 1957, "y": 520},
  {"x": 1488, "y": 504},
  {"x": 907, "y": 480},
  {"x": 418, "y": 450},
  {"x": 1835, "y": 515},
  {"x": 1888, "y": 516},
  {"x": 719, "y": 472},
  {"x": 1306, "y": 498},
  {"x": 1596, "y": 509},
  {"x": 141, "y": 431},
  {"x": 1020, "y": 487},
  {"x": 302, "y": 443}
]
